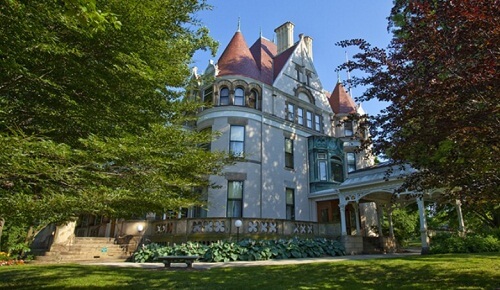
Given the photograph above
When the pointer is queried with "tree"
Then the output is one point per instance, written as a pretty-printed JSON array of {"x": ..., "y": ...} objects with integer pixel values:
[
  {"x": 92, "y": 119},
  {"x": 440, "y": 75}
]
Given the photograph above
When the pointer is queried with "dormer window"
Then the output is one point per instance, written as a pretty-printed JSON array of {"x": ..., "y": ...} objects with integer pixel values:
[
  {"x": 224, "y": 97},
  {"x": 239, "y": 97}
]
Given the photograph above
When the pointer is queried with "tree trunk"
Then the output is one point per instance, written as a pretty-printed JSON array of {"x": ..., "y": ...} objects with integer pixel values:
[{"x": 2, "y": 222}]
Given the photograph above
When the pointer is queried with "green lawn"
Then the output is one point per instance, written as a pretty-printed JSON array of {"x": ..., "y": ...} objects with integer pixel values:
[{"x": 457, "y": 271}]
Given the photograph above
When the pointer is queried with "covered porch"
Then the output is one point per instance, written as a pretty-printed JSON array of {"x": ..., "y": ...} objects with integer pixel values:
[{"x": 367, "y": 198}]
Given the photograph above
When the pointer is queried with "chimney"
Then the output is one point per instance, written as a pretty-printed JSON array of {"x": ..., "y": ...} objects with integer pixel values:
[
  {"x": 284, "y": 35},
  {"x": 309, "y": 45}
]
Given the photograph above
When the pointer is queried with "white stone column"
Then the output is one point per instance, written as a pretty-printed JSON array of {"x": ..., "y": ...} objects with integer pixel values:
[
  {"x": 356, "y": 212},
  {"x": 380, "y": 219},
  {"x": 461, "y": 226},
  {"x": 391, "y": 225},
  {"x": 342, "y": 219},
  {"x": 423, "y": 226}
]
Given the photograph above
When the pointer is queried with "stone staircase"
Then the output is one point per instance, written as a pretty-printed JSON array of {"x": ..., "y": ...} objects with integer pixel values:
[{"x": 85, "y": 249}]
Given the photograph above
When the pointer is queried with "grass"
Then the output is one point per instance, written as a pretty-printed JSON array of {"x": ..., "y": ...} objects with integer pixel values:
[{"x": 457, "y": 271}]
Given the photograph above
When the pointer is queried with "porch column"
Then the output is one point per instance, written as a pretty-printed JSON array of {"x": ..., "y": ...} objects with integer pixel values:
[
  {"x": 380, "y": 219},
  {"x": 423, "y": 226},
  {"x": 461, "y": 227},
  {"x": 391, "y": 226},
  {"x": 342, "y": 219},
  {"x": 356, "y": 213}
]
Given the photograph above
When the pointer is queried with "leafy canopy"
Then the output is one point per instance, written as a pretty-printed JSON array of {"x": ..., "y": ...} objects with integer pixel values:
[
  {"x": 92, "y": 118},
  {"x": 440, "y": 75}
]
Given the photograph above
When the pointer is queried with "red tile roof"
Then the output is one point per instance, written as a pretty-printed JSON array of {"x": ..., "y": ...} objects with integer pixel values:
[
  {"x": 263, "y": 52},
  {"x": 259, "y": 62},
  {"x": 281, "y": 59},
  {"x": 341, "y": 102},
  {"x": 237, "y": 59}
]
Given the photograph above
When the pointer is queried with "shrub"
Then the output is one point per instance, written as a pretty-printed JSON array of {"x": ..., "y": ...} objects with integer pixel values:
[
  {"x": 223, "y": 252},
  {"x": 473, "y": 243},
  {"x": 149, "y": 253},
  {"x": 245, "y": 250}
]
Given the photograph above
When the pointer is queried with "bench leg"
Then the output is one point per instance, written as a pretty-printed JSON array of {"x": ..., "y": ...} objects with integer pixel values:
[
  {"x": 189, "y": 264},
  {"x": 167, "y": 264}
]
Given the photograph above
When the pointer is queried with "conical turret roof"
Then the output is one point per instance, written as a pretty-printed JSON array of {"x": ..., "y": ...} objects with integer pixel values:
[
  {"x": 341, "y": 102},
  {"x": 237, "y": 59}
]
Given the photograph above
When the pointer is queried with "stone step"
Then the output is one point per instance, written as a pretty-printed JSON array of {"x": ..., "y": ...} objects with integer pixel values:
[
  {"x": 72, "y": 257},
  {"x": 79, "y": 240},
  {"x": 86, "y": 248}
]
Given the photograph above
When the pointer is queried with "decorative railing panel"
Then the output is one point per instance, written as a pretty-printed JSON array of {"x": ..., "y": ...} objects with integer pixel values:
[{"x": 224, "y": 228}]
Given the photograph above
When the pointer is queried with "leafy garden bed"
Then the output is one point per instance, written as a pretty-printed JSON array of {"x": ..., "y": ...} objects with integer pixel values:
[
  {"x": 7, "y": 260},
  {"x": 245, "y": 250}
]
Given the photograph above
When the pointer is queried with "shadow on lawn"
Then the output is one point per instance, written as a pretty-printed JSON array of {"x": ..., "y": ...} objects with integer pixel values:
[{"x": 419, "y": 272}]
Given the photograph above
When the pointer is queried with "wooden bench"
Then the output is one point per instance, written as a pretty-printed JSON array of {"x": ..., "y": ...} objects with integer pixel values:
[{"x": 166, "y": 260}]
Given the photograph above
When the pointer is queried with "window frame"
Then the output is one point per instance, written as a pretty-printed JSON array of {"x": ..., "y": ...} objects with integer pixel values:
[
  {"x": 351, "y": 162},
  {"x": 290, "y": 203},
  {"x": 233, "y": 142},
  {"x": 239, "y": 98},
  {"x": 309, "y": 119},
  {"x": 300, "y": 116},
  {"x": 317, "y": 122},
  {"x": 348, "y": 129},
  {"x": 290, "y": 112},
  {"x": 208, "y": 95},
  {"x": 336, "y": 168},
  {"x": 226, "y": 98},
  {"x": 289, "y": 154},
  {"x": 234, "y": 201}
]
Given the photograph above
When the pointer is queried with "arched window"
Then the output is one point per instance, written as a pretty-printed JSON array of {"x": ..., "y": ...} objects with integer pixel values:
[
  {"x": 253, "y": 99},
  {"x": 239, "y": 97},
  {"x": 224, "y": 97},
  {"x": 336, "y": 169}
]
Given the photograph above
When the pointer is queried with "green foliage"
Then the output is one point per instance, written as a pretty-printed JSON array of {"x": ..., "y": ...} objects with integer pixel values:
[
  {"x": 92, "y": 116},
  {"x": 472, "y": 243},
  {"x": 14, "y": 240},
  {"x": 148, "y": 253},
  {"x": 221, "y": 251},
  {"x": 255, "y": 250},
  {"x": 245, "y": 250},
  {"x": 190, "y": 249},
  {"x": 440, "y": 77},
  {"x": 406, "y": 224}
]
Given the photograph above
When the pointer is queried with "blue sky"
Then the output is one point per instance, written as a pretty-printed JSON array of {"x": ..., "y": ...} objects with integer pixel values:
[{"x": 326, "y": 21}]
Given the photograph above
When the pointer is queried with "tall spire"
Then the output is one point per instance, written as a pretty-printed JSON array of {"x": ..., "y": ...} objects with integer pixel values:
[{"x": 239, "y": 24}]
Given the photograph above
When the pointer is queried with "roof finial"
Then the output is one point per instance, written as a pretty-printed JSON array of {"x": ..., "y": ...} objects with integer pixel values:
[
  {"x": 239, "y": 24},
  {"x": 338, "y": 77},
  {"x": 260, "y": 31}
]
